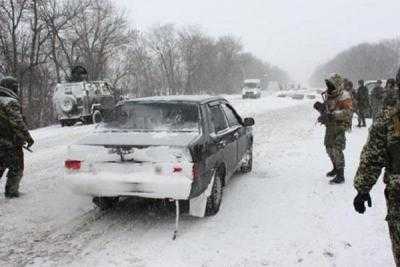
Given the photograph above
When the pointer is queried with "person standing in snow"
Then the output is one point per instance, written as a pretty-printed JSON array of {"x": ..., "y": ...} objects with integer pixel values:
[
  {"x": 336, "y": 120},
  {"x": 377, "y": 97},
  {"x": 14, "y": 135},
  {"x": 391, "y": 93},
  {"x": 362, "y": 103},
  {"x": 382, "y": 150},
  {"x": 349, "y": 88}
]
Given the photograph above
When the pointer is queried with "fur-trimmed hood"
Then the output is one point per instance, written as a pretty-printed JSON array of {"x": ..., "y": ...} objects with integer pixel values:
[
  {"x": 5, "y": 92},
  {"x": 335, "y": 86}
]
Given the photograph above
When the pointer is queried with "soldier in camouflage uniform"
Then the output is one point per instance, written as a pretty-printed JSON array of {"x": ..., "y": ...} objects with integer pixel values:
[
  {"x": 13, "y": 136},
  {"x": 382, "y": 151},
  {"x": 337, "y": 121},
  {"x": 391, "y": 93},
  {"x": 377, "y": 97},
  {"x": 362, "y": 103},
  {"x": 349, "y": 88}
]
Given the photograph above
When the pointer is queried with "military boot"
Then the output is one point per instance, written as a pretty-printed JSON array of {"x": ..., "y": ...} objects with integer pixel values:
[
  {"x": 339, "y": 179},
  {"x": 11, "y": 195},
  {"x": 332, "y": 173}
]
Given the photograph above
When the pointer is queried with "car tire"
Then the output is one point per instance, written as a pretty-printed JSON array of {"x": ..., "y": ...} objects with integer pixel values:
[
  {"x": 215, "y": 199},
  {"x": 247, "y": 166},
  {"x": 105, "y": 203},
  {"x": 97, "y": 117}
]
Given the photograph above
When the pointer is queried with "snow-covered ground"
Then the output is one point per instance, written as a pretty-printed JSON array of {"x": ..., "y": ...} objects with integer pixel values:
[{"x": 284, "y": 213}]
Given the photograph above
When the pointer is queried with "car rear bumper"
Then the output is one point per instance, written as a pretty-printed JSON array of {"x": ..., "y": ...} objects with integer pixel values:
[
  {"x": 251, "y": 95},
  {"x": 71, "y": 117},
  {"x": 76, "y": 117},
  {"x": 147, "y": 185}
]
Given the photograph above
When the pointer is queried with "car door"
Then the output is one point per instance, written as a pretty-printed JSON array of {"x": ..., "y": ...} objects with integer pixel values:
[
  {"x": 223, "y": 137},
  {"x": 239, "y": 132}
]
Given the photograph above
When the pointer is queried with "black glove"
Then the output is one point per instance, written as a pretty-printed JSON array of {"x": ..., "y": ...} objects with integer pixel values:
[
  {"x": 320, "y": 107},
  {"x": 359, "y": 202},
  {"x": 30, "y": 142},
  {"x": 325, "y": 117}
]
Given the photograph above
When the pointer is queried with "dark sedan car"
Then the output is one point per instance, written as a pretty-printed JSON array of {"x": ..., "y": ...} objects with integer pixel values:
[{"x": 177, "y": 147}]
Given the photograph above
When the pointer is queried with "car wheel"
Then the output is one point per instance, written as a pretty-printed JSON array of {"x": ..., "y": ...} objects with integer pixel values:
[
  {"x": 97, "y": 117},
  {"x": 215, "y": 199},
  {"x": 105, "y": 203},
  {"x": 247, "y": 165}
]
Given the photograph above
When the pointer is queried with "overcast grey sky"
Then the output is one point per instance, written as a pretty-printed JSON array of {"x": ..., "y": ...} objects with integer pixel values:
[{"x": 296, "y": 35}]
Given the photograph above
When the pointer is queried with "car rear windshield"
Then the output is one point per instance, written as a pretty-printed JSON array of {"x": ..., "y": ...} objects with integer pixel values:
[
  {"x": 156, "y": 116},
  {"x": 251, "y": 85}
]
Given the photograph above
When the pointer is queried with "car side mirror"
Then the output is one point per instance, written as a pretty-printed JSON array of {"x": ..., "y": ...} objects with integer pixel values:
[{"x": 247, "y": 122}]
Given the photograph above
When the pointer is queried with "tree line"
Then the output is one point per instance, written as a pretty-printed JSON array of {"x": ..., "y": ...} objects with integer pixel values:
[
  {"x": 40, "y": 40},
  {"x": 367, "y": 61}
]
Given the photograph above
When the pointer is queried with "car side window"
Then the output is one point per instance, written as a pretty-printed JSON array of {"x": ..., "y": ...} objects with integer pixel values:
[
  {"x": 106, "y": 89},
  {"x": 230, "y": 115},
  {"x": 218, "y": 118}
]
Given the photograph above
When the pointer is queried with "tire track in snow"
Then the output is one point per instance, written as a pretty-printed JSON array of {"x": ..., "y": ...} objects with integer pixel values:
[{"x": 90, "y": 232}]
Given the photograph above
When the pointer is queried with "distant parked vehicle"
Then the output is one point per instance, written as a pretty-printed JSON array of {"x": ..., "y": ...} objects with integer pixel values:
[
  {"x": 372, "y": 84},
  {"x": 251, "y": 89},
  {"x": 86, "y": 102},
  {"x": 177, "y": 147}
]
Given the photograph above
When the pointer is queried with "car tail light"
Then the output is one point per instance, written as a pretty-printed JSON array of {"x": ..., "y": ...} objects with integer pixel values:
[
  {"x": 177, "y": 168},
  {"x": 73, "y": 164},
  {"x": 195, "y": 171}
]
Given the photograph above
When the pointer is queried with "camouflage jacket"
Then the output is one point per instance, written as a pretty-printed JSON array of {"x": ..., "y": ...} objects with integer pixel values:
[
  {"x": 341, "y": 108},
  {"x": 13, "y": 130},
  {"x": 382, "y": 150},
  {"x": 391, "y": 96},
  {"x": 377, "y": 96},
  {"x": 362, "y": 98}
]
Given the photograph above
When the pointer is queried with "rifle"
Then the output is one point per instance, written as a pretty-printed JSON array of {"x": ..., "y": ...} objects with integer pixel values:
[{"x": 322, "y": 108}]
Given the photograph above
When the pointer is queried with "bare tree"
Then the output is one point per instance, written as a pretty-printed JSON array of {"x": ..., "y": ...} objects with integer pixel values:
[
  {"x": 365, "y": 61},
  {"x": 101, "y": 30},
  {"x": 40, "y": 40},
  {"x": 11, "y": 16},
  {"x": 163, "y": 42},
  {"x": 58, "y": 16}
]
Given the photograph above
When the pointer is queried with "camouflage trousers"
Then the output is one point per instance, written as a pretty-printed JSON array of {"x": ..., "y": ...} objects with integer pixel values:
[
  {"x": 376, "y": 109},
  {"x": 392, "y": 194},
  {"x": 13, "y": 160},
  {"x": 335, "y": 143},
  {"x": 394, "y": 230}
]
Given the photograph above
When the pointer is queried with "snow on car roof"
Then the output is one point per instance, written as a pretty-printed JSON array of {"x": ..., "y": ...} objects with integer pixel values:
[
  {"x": 252, "y": 81},
  {"x": 183, "y": 98},
  {"x": 374, "y": 81}
]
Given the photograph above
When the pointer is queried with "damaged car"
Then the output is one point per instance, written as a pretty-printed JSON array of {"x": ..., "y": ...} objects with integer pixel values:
[{"x": 181, "y": 148}]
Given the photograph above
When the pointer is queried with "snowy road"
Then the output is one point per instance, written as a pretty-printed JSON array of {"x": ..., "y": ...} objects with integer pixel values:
[{"x": 284, "y": 213}]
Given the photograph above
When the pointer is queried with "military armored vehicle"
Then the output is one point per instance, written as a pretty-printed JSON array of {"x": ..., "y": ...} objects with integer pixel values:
[{"x": 82, "y": 101}]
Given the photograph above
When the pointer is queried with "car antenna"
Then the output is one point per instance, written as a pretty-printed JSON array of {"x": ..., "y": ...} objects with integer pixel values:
[{"x": 176, "y": 219}]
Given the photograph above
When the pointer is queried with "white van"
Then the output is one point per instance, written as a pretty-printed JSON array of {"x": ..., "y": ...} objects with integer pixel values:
[{"x": 251, "y": 88}]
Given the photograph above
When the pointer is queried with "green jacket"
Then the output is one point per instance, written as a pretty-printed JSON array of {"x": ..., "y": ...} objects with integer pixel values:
[
  {"x": 13, "y": 130},
  {"x": 382, "y": 150}
]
